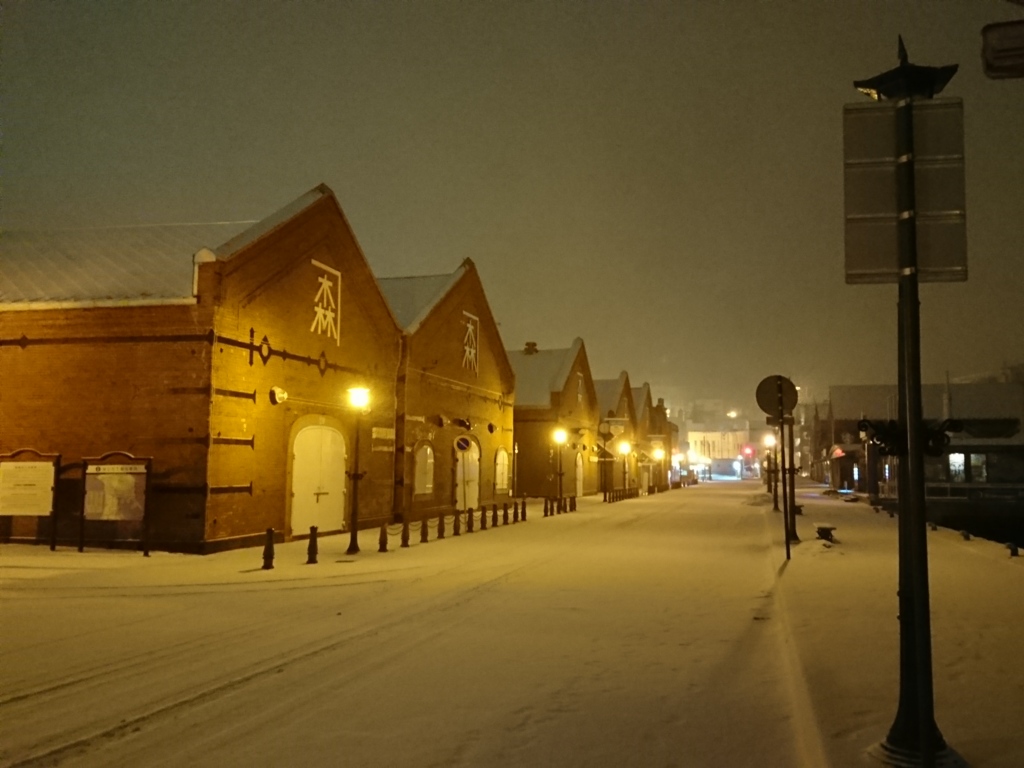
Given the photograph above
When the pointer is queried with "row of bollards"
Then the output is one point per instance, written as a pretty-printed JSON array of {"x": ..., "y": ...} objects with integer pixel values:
[
  {"x": 556, "y": 506},
  {"x": 312, "y": 549}
]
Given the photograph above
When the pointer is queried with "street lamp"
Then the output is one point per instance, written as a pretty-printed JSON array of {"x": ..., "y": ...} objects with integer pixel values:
[
  {"x": 359, "y": 401},
  {"x": 559, "y": 436},
  {"x": 624, "y": 449},
  {"x": 659, "y": 456}
]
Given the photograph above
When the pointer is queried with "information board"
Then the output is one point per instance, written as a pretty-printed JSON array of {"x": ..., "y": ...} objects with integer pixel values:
[
  {"x": 115, "y": 491},
  {"x": 26, "y": 488}
]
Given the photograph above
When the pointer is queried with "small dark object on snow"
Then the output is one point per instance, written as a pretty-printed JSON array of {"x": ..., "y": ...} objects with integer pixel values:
[
  {"x": 1014, "y": 551},
  {"x": 312, "y": 550},
  {"x": 966, "y": 535},
  {"x": 268, "y": 551},
  {"x": 825, "y": 531},
  {"x": 933, "y": 526}
]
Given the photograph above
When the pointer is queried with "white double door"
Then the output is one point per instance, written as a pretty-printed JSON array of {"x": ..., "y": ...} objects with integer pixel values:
[
  {"x": 467, "y": 475},
  {"x": 318, "y": 480}
]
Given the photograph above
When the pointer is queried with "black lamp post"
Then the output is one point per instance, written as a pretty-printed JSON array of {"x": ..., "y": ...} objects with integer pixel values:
[
  {"x": 359, "y": 399},
  {"x": 624, "y": 449},
  {"x": 914, "y": 738},
  {"x": 560, "y": 436}
]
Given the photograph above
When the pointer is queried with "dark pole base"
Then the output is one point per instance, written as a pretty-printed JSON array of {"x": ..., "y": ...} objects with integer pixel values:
[{"x": 887, "y": 754}]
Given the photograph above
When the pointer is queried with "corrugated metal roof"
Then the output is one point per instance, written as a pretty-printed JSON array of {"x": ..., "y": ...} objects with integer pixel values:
[
  {"x": 608, "y": 393},
  {"x": 108, "y": 264},
  {"x": 540, "y": 373},
  {"x": 412, "y": 298}
]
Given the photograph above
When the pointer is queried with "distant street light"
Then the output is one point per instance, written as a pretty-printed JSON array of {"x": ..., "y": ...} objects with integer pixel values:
[
  {"x": 358, "y": 400},
  {"x": 659, "y": 456},
  {"x": 559, "y": 436}
]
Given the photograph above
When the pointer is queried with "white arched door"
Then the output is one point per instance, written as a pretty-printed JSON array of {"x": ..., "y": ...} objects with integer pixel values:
[
  {"x": 318, "y": 480},
  {"x": 467, "y": 474},
  {"x": 579, "y": 475}
]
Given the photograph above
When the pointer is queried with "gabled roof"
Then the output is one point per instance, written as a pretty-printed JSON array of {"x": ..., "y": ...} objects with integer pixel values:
[
  {"x": 269, "y": 223},
  {"x": 540, "y": 372},
  {"x": 609, "y": 391},
  {"x": 641, "y": 399},
  {"x": 104, "y": 265},
  {"x": 412, "y": 299}
]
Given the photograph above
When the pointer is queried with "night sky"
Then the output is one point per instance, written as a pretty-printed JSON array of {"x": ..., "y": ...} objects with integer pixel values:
[{"x": 663, "y": 179}]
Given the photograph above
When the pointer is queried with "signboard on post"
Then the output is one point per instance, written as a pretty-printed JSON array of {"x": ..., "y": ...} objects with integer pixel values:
[
  {"x": 116, "y": 489},
  {"x": 872, "y": 191},
  {"x": 26, "y": 487}
]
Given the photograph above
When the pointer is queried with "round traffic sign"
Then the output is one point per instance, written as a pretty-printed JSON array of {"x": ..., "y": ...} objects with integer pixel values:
[{"x": 776, "y": 395}]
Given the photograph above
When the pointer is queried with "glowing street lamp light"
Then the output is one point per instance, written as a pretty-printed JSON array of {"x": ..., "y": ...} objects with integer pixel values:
[
  {"x": 624, "y": 450},
  {"x": 359, "y": 401},
  {"x": 560, "y": 436}
]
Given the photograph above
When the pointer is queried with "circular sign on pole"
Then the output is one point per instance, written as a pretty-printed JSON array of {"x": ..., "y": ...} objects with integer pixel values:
[{"x": 776, "y": 395}]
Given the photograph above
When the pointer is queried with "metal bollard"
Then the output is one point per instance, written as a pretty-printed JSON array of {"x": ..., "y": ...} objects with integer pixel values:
[
  {"x": 494, "y": 516},
  {"x": 572, "y": 503},
  {"x": 405, "y": 533},
  {"x": 457, "y": 522},
  {"x": 268, "y": 551},
  {"x": 312, "y": 550},
  {"x": 523, "y": 516},
  {"x": 424, "y": 531},
  {"x": 383, "y": 538},
  {"x": 515, "y": 512},
  {"x": 504, "y": 513},
  {"x": 440, "y": 526},
  {"x": 483, "y": 518},
  {"x": 469, "y": 520},
  {"x": 546, "y": 502}
]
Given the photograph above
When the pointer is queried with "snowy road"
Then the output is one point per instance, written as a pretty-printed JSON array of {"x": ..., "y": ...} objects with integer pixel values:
[{"x": 634, "y": 634}]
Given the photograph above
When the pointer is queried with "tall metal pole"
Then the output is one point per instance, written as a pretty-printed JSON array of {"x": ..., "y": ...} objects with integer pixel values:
[
  {"x": 914, "y": 737},
  {"x": 773, "y": 457},
  {"x": 792, "y": 480},
  {"x": 353, "y": 534}
]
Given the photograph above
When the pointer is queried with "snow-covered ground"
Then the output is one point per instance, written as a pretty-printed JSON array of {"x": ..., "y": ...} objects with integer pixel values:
[{"x": 656, "y": 631}]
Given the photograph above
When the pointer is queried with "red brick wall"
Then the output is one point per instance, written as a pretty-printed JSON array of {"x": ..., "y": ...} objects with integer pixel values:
[
  {"x": 267, "y": 291},
  {"x": 436, "y": 383},
  {"x": 82, "y": 382}
]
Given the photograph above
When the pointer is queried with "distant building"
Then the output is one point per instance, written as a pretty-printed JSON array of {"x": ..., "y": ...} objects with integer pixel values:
[
  {"x": 980, "y": 471},
  {"x": 617, "y": 432}
]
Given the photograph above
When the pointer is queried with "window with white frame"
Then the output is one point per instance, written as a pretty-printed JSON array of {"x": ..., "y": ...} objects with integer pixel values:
[
  {"x": 424, "y": 470},
  {"x": 501, "y": 471}
]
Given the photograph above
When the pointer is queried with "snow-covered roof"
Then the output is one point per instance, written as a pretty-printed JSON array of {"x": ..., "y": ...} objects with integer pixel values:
[
  {"x": 107, "y": 265},
  {"x": 258, "y": 229},
  {"x": 608, "y": 393},
  {"x": 539, "y": 372},
  {"x": 412, "y": 298}
]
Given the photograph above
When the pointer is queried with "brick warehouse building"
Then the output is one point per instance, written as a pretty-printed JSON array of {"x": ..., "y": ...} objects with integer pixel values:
[
  {"x": 455, "y": 394},
  {"x": 145, "y": 351},
  {"x": 617, "y": 428},
  {"x": 554, "y": 389}
]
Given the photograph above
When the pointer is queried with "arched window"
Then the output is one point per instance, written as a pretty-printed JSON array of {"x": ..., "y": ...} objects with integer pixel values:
[
  {"x": 501, "y": 471},
  {"x": 423, "y": 473}
]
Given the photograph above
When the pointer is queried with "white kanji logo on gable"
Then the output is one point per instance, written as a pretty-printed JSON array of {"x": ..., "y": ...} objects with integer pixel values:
[
  {"x": 471, "y": 344},
  {"x": 327, "y": 304}
]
